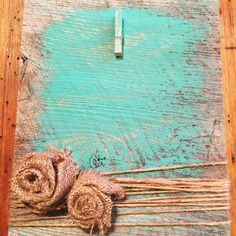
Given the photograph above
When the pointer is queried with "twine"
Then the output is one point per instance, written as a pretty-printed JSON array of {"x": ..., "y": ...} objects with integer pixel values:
[
  {"x": 43, "y": 180},
  {"x": 146, "y": 224},
  {"x": 16, "y": 218},
  {"x": 164, "y": 168},
  {"x": 89, "y": 202}
]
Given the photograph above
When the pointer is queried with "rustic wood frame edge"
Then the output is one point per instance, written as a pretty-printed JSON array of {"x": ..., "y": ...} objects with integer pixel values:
[
  {"x": 11, "y": 14},
  {"x": 227, "y": 11}
]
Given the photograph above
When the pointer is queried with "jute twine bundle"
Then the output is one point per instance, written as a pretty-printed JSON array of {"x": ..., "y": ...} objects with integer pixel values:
[
  {"x": 89, "y": 202},
  {"x": 43, "y": 180}
]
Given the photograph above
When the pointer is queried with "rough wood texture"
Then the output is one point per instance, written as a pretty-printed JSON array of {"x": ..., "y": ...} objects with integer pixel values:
[
  {"x": 135, "y": 112},
  {"x": 228, "y": 54},
  {"x": 160, "y": 105},
  {"x": 198, "y": 127},
  {"x": 10, "y": 37}
]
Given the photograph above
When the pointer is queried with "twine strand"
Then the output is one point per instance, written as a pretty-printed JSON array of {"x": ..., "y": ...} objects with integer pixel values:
[
  {"x": 145, "y": 224},
  {"x": 43, "y": 182},
  {"x": 164, "y": 168}
]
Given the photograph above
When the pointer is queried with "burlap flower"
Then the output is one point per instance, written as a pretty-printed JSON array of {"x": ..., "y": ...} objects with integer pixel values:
[
  {"x": 89, "y": 202},
  {"x": 42, "y": 180}
]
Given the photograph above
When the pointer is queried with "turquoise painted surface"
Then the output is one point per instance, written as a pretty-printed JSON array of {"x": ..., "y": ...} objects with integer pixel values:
[
  {"x": 159, "y": 105},
  {"x": 147, "y": 109}
]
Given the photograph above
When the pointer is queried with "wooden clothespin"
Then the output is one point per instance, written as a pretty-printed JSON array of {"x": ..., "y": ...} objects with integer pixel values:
[{"x": 118, "y": 34}]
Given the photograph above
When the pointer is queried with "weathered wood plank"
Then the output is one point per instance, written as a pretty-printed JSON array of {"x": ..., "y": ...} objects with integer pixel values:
[
  {"x": 163, "y": 231},
  {"x": 207, "y": 55},
  {"x": 228, "y": 54},
  {"x": 107, "y": 113},
  {"x": 133, "y": 112},
  {"x": 10, "y": 37}
]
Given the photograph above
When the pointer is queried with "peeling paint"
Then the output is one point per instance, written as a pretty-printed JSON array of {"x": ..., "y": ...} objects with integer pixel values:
[{"x": 148, "y": 103}]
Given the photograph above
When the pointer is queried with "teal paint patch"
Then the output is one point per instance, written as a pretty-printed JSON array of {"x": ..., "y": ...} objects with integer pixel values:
[{"x": 144, "y": 110}]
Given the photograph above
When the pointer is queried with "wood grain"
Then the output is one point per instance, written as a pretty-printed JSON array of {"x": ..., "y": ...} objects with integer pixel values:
[
  {"x": 134, "y": 112},
  {"x": 193, "y": 137},
  {"x": 10, "y": 37},
  {"x": 160, "y": 105},
  {"x": 228, "y": 54}
]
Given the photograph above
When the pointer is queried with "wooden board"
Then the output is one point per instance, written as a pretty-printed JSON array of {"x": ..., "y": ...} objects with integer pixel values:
[
  {"x": 123, "y": 108},
  {"x": 160, "y": 105},
  {"x": 10, "y": 38},
  {"x": 228, "y": 53}
]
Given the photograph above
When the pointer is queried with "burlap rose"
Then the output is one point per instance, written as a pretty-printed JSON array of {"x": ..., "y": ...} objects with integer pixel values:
[
  {"x": 89, "y": 202},
  {"x": 42, "y": 180}
]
